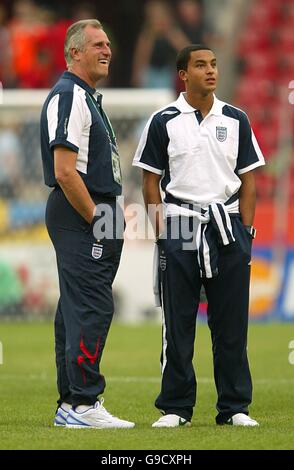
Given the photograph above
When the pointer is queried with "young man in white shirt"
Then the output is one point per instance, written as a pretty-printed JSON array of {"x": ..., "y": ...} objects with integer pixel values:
[{"x": 202, "y": 152}]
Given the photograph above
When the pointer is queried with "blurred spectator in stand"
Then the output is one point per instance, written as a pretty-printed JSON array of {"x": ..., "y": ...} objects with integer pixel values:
[
  {"x": 6, "y": 76},
  {"x": 26, "y": 31},
  {"x": 42, "y": 75},
  {"x": 52, "y": 46},
  {"x": 158, "y": 43}
]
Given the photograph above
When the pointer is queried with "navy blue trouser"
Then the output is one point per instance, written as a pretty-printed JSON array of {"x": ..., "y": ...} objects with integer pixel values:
[
  {"x": 86, "y": 270},
  {"x": 228, "y": 296}
]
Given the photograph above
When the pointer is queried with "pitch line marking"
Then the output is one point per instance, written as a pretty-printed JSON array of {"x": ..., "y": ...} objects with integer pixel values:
[{"x": 138, "y": 379}]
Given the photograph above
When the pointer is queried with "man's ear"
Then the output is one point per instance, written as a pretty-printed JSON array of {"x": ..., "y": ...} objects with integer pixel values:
[{"x": 75, "y": 54}]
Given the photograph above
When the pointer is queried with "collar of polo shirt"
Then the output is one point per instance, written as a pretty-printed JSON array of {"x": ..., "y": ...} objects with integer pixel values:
[
  {"x": 185, "y": 107},
  {"x": 79, "y": 81}
]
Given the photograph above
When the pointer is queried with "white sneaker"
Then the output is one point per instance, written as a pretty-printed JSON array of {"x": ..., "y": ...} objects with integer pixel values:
[
  {"x": 60, "y": 417},
  {"x": 170, "y": 421},
  {"x": 96, "y": 417},
  {"x": 240, "y": 419}
]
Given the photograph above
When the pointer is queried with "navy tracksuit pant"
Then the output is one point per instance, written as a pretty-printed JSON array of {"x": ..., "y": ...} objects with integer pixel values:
[
  {"x": 86, "y": 269},
  {"x": 227, "y": 296}
]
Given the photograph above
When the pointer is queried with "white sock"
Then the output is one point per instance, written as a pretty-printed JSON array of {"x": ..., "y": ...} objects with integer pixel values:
[
  {"x": 65, "y": 406},
  {"x": 83, "y": 408}
]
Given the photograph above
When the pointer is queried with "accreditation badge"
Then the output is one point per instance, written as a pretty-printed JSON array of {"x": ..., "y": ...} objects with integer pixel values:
[{"x": 115, "y": 165}]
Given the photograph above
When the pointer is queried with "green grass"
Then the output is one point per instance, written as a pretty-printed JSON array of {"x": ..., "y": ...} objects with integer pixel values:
[{"x": 131, "y": 366}]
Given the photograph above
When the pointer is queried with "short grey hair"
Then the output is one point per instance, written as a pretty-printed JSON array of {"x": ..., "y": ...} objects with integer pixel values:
[{"x": 76, "y": 38}]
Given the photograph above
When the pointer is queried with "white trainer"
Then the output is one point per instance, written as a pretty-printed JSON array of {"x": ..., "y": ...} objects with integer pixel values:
[
  {"x": 240, "y": 419},
  {"x": 60, "y": 417},
  {"x": 96, "y": 417},
  {"x": 170, "y": 421}
]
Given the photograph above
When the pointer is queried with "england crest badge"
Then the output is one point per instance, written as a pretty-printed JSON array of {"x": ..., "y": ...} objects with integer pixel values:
[
  {"x": 221, "y": 133},
  {"x": 97, "y": 251}
]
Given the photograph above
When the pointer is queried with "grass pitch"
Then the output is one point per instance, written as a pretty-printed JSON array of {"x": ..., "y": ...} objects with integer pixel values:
[{"x": 131, "y": 366}]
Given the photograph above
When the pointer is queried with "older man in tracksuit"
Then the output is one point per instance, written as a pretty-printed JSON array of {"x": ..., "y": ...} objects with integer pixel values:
[{"x": 81, "y": 162}]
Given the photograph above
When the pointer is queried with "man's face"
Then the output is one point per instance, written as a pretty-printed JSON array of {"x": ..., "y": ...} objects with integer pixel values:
[
  {"x": 95, "y": 57},
  {"x": 201, "y": 74}
]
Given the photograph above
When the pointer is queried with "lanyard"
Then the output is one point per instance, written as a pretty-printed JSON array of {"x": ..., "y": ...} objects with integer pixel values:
[{"x": 105, "y": 120}]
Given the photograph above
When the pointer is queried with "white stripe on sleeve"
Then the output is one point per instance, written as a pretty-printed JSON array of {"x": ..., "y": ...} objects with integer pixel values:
[
  {"x": 52, "y": 117},
  {"x": 76, "y": 120}
]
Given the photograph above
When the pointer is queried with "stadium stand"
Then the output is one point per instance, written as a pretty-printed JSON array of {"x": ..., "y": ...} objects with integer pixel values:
[{"x": 266, "y": 66}]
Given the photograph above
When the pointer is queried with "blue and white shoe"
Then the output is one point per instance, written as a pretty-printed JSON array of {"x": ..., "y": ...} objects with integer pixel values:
[
  {"x": 61, "y": 415},
  {"x": 95, "y": 417}
]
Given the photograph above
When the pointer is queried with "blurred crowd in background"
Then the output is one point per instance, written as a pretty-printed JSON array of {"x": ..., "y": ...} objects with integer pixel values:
[
  {"x": 145, "y": 37},
  {"x": 257, "y": 62}
]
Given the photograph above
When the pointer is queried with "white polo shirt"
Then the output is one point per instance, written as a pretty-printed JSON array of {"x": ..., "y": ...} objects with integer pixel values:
[{"x": 200, "y": 159}]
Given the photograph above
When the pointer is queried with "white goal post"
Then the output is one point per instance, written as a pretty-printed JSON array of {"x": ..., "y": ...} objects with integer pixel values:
[{"x": 118, "y": 102}]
